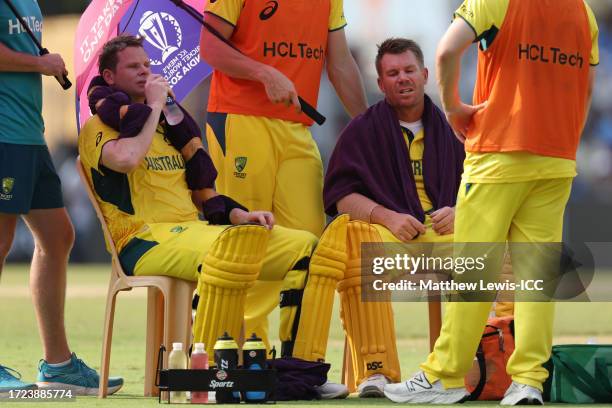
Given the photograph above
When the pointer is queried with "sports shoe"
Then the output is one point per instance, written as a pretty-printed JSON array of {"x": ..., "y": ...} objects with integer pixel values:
[
  {"x": 11, "y": 380},
  {"x": 418, "y": 390},
  {"x": 76, "y": 376},
  {"x": 522, "y": 394},
  {"x": 373, "y": 386},
  {"x": 330, "y": 390}
]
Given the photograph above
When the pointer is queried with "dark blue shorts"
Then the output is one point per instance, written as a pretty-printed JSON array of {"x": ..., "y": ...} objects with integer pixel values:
[{"x": 28, "y": 180}]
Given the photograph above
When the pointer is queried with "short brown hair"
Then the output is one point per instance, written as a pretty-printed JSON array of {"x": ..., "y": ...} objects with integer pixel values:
[
  {"x": 398, "y": 46},
  {"x": 108, "y": 57}
]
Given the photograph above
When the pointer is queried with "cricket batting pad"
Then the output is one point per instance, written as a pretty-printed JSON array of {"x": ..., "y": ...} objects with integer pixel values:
[
  {"x": 230, "y": 268},
  {"x": 369, "y": 326},
  {"x": 310, "y": 323}
]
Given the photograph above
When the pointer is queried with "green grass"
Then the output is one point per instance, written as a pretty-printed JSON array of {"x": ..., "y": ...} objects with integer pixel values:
[{"x": 20, "y": 345}]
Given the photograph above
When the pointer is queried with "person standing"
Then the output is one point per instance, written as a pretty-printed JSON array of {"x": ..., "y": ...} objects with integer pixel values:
[
  {"x": 30, "y": 188},
  {"x": 257, "y": 137},
  {"x": 534, "y": 81}
]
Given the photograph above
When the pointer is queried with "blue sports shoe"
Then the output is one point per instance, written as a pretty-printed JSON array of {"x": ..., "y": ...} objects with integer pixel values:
[
  {"x": 76, "y": 376},
  {"x": 11, "y": 380}
]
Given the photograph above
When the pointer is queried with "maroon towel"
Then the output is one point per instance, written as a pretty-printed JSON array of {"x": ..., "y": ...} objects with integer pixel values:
[
  {"x": 371, "y": 158},
  {"x": 297, "y": 378}
]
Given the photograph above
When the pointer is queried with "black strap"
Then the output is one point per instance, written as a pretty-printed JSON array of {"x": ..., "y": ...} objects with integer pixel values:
[
  {"x": 291, "y": 297},
  {"x": 482, "y": 368},
  {"x": 302, "y": 264}
]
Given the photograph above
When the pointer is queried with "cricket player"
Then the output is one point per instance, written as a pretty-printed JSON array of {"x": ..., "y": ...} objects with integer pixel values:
[
  {"x": 139, "y": 181},
  {"x": 30, "y": 188},
  {"x": 535, "y": 74},
  {"x": 395, "y": 171},
  {"x": 258, "y": 139}
]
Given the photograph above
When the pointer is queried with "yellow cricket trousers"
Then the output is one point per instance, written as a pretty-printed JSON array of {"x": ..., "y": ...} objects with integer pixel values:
[
  {"x": 529, "y": 211},
  {"x": 273, "y": 165}
]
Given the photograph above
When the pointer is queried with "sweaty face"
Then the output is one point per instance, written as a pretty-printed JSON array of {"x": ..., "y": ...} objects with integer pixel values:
[
  {"x": 402, "y": 80},
  {"x": 131, "y": 72}
]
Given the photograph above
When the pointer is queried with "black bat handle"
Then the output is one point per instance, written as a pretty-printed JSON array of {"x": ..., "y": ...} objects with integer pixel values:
[
  {"x": 63, "y": 80},
  {"x": 311, "y": 112}
]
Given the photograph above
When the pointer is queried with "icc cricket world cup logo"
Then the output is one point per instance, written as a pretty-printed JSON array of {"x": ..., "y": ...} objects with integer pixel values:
[{"x": 153, "y": 28}]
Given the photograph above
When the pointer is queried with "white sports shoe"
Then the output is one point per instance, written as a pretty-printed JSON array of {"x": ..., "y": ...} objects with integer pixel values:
[
  {"x": 330, "y": 390},
  {"x": 522, "y": 394},
  {"x": 373, "y": 386},
  {"x": 418, "y": 390}
]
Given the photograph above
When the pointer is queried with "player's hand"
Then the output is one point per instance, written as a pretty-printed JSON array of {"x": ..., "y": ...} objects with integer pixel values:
[
  {"x": 157, "y": 89},
  {"x": 443, "y": 220},
  {"x": 460, "y": 118},
  {"x": 405, "y": 227},
  {"x": 279, "y": 88},
  {"x": 265, "y": 218},
  {"x": 52, "y": 65}
]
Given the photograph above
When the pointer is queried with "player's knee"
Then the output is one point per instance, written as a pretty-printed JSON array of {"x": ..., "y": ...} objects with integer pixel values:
[
  {"x": 59, "y": 244},
  {"x": 7, "y": 234},
  {"x": 298, "y": 242},
  {"x": 6, "y": 240},
  {"x": 304, "y": 242}
]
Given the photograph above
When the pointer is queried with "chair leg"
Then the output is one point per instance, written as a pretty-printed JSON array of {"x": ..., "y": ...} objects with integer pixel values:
[
  {"x": 155, "y": 333},
  {"x": 348, "y": 377},
  {"x": 435, "y": 322},
  {"x": 107, "y": 340},
  {"x": 177, "y": 316}
]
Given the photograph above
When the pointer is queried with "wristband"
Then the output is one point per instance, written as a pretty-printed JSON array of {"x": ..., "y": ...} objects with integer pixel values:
[{"x": 217, "y": 209}]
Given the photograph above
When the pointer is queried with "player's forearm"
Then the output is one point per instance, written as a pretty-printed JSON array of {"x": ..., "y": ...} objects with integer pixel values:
[
  {"x": 344, "y": 74},
  {"x": 13, "y": 61},
  {"x": 125, "y": 154},
  {"x": 382, "y": 215},
  {"x": 199, "y": 197},
  {"x": 590, "y": 86},
  {"x": 349, "y": 86},
  {"x": 357, "y": 206},
  {"x": 224, "y": 58},
  {"x": 453, "y": 44},
  {"x": 448, "y": 71}
]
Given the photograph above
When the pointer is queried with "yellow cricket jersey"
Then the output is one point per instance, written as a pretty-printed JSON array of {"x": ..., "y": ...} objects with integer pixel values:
[
  {"x": 486, "y": 18},
  {"x": 414, "y": 134},
  {"x": 156, "y": 191}
]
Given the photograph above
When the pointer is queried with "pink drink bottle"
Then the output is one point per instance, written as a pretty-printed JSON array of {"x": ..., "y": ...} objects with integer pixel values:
[{"x": 199, "y": 361}]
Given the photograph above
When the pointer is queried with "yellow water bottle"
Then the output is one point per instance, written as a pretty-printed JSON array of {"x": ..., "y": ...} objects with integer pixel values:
[{"x": 178, "y": 360}]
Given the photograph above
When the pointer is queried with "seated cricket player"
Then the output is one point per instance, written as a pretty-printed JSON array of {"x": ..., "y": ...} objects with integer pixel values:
[
  {"x": 141, "y": 184},
  {"x": 395, "y": 171}
]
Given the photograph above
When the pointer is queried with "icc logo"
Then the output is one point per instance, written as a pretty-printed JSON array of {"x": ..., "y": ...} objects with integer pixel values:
[{"x": 163, "y": 32}]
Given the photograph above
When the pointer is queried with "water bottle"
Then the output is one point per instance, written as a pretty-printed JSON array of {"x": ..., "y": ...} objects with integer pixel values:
[
  {"x": 254, "y": 358},
  {"x": 226, "y": 358},
  {"x": 174, "y": 115},
  {"x": 199, "y": 361},
  {"x": 178, "y": 360}
]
